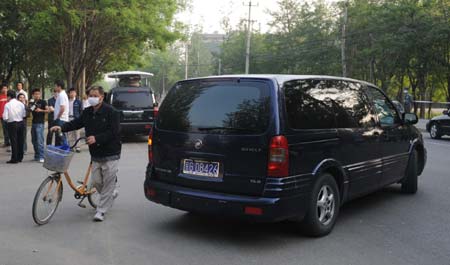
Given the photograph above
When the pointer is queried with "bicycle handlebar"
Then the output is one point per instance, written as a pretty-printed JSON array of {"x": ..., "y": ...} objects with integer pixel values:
[{"x": 76, "y": 142}]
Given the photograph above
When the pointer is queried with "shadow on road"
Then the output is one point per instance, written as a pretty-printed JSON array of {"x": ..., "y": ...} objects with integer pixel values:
[
  {"x": 369, "y": 203},
  {"x": 248, "y": 234}
]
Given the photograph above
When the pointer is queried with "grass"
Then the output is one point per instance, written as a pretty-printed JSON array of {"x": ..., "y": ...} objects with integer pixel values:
[{"x": 432, "y": 114}]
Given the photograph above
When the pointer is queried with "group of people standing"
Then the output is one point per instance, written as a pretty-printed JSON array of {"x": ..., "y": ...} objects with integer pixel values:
[
  {"x": 66, "y": 114},
  {"x": 15, "y": 108}
]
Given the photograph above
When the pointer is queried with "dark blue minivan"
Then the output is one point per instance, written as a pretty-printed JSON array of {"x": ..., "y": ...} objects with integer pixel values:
[{"x": 276, "y": 147}]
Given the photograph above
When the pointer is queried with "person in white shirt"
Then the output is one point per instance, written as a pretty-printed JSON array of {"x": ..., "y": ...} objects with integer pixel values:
[
  {"x": 20, "y": 90},
  {"x": 13, "y": 115},
  {"x": 61, "y": 112}
]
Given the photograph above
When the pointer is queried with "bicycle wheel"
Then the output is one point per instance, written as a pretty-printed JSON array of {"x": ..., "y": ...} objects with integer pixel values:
[
  {"x": 93, "y": 199},
  {"x": 46, "y": 200}
]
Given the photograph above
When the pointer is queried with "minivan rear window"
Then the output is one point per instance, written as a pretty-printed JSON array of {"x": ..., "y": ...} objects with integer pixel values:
[
  {"x": 218, "y": 107},
  {"x": 132, "y": 99}
]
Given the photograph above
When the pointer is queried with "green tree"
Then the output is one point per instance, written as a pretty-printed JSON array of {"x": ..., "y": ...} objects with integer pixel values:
[
  {"x": 167, "y": 67},
  {"x": 102, "y": 35}
]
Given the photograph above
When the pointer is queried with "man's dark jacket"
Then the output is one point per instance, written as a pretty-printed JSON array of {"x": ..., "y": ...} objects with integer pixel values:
[
  {"x": 104, "y": 124},
  {"x": 77, "y": 108},
  {"x": 51, "y": 103}
]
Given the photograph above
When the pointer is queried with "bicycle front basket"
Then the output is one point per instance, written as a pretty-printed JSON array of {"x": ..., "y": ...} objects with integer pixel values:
[{"x": 57, "y": 159}]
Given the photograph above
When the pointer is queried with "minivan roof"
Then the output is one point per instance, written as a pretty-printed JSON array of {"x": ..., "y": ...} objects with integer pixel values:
[
  {"x": 127, "y": 88},
  {"x": 125, "y": 74},
  {"x": 281, "y": 79}
]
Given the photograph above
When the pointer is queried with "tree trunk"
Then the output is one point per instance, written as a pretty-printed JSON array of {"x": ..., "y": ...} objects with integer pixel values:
[
  {"x": 69, "y": 77},
  {"x": 422, "y": 90},
  {"x": 401, "y": 82},
  {"x": 448, "y": 89}
]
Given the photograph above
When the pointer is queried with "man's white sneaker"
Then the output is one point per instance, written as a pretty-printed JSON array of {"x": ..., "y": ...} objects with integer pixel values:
[
  {"x": 41, "y": 160},
  {"x": 99, "y": 217},
  {"x": 115, "y": 194}
]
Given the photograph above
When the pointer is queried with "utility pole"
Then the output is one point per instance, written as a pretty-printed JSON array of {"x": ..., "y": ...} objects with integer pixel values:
[
  {"x": 198, "y": 63},
  {"x": 343, "y": 41},
  {"x": 249, "y": 33},
  {"x": 372, "y": 61},
  {"x": 163, "y": 82},
  {"x": 186, "y": 60}
]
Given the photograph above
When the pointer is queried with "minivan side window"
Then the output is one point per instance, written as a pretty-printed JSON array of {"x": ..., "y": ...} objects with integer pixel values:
[
  {"x": 386, "y": 112},
  {"x": 325, "y": 104}
]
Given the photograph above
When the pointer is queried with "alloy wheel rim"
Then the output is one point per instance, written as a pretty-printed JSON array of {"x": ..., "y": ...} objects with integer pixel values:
[
  {"x": 433, "y": 130},
  {"x": 326, "y": 205}
]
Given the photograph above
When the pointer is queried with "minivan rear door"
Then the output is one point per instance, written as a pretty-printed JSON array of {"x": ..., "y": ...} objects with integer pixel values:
[
  {"x": 136, "y": 105},
  {"x": 213, "y": 135}
]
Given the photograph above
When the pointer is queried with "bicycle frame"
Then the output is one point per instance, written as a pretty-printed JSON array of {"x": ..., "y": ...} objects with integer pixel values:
[{"x": 80, "y": 189}]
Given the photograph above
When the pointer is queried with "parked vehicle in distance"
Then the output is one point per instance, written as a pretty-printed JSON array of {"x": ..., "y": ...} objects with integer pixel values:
[
  {"x": 135, "y": 101},
  {"x": 439, "y": 125},
  {"x": 277, "y": 147}
]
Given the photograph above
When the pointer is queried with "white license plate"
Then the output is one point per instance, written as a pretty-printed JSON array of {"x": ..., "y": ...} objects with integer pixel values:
[{"x": 201, "y": 168}]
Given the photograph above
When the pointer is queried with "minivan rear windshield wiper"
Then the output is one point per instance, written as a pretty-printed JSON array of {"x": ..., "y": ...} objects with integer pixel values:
[{"x": 218, "y": 128}]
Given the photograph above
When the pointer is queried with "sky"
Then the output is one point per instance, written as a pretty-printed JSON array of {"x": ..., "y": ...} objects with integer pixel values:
[{"x": 208, "y": 14}]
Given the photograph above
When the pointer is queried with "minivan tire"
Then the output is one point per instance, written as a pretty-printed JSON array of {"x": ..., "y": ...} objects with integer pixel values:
[
  {"x": 311, "y": 224},
  {"x": 409, "y": 183}
]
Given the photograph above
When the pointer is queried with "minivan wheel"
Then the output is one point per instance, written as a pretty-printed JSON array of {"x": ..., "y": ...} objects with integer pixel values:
[
  {"x": 323, "y": 207},
  {"x": 409, "y": 182},
  {"x": 434, "y": 131}
]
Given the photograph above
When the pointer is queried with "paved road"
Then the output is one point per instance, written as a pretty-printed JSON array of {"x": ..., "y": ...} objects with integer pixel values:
[{"x": 384, "y": 228}]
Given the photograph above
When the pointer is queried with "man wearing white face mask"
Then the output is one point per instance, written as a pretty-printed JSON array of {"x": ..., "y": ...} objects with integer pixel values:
[{"x": 102, "y": 124}]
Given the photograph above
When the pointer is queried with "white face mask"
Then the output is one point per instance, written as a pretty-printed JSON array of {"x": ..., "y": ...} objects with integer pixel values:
[{"x": 93, "y": 101}]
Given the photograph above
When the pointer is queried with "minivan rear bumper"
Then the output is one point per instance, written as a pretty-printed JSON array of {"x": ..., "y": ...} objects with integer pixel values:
[
  {"x": 131, "y": 128},
  {"x": 225, "y": 205}
]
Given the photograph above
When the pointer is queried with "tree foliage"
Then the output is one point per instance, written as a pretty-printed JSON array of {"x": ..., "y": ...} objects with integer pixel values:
[
  {"x": 393, "y": 43},
  {"x": 41, "y": 37}
]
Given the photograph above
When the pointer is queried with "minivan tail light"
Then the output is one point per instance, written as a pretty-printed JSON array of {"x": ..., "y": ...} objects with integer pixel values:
[
  {"x": 278, "y": 165},
  {"x": 155, "y": 112},
  {"x": 150, "y": 146}
]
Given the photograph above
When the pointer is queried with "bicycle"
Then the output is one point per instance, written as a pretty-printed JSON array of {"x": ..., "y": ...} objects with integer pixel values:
[{"x": 50, "y": 192}]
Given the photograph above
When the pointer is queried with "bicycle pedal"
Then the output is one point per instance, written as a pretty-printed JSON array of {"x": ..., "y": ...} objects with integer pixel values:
[{"x": 82, "y": 205}]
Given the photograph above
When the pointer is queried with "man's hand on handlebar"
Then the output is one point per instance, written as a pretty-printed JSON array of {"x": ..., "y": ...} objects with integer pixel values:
[
  {"x": 91, "y": 140},
  {"x": 55, "y": 129}
]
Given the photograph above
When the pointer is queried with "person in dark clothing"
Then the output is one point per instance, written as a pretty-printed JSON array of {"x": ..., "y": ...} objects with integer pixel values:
[
  {"x": 38, "y": 108},
  {"x": 21, "y": 97},
  {"x": 13, "y": 114},
  {"x": 51, "y": 117},
  {"x": 102, "y": 125},
  {"x": 75, "y": 109},
  {"x": 407, "y": 100}
]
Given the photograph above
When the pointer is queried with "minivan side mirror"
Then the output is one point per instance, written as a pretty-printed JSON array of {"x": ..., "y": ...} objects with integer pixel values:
[
  {"x": 445, "y": 112},
  {"x": 410, "y": 118}
]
